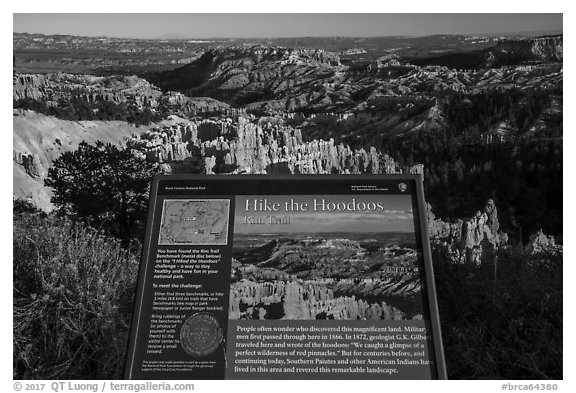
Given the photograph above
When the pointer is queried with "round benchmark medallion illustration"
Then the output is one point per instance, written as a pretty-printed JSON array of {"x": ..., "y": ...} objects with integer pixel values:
[{"x": 201, "y": 334}]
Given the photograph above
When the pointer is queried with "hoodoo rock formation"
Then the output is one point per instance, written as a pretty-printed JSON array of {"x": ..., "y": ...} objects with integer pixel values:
[
  {"x": 542, "y": 251},
  {"x": 243, "y": 146},
  {"x": 295, "y": 300},
  {"x": 30, "y": 162},
  {"x": 471, "y": 240}
]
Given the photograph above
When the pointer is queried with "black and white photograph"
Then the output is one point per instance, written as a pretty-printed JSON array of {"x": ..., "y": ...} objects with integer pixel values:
[
  {"x": 351, "y": 259},
  {"x": 471, "y": 102}
]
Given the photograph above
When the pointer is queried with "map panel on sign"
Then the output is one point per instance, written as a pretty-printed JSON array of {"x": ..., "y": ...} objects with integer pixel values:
[{"x": 194, "y": 221}]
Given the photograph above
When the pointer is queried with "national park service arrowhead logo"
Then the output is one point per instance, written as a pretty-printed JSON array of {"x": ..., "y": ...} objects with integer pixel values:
[{"x": 402, "y": 187}]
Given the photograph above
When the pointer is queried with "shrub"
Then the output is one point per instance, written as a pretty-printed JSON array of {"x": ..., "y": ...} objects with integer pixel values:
[
  {"x": 106, "y": 185},
  {"x": 508, "y": 327},
  {"x": 73, "y": 291}
]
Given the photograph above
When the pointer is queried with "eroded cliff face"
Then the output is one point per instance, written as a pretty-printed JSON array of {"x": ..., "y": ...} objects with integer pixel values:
[
  {"x": 54, "y": 87},
  {"x": 243, "y": 146},
  {"x": 471, "y": 240},
  {"x": 241, "y": 56},
  {"x": 294, "y": 300},
  {"x": 272, "y": 79},
  {"x": 38, "y": 140},
  {"x": 540, "y": 49},
  {"x": 548, "y": 48},
  {"x": 277, "y": 80},
  {"x": 30, "y": 86},
  {"x": 65, "y": 89}
]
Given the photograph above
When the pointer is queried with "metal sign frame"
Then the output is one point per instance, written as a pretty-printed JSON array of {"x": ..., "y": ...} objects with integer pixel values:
[{"x": 228, "y": 185}]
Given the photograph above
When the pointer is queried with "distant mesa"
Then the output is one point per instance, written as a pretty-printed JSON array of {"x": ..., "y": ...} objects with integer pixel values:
[{"x": 508, "y": 52}]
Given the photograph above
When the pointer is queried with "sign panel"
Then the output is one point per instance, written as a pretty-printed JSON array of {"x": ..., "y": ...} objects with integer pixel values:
[{"x": 299, "y": 277}]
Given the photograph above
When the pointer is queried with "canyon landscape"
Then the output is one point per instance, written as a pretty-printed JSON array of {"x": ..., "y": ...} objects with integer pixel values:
[
  {"x": 479, "y": 116},
  {"x": 328, "y": 276}
]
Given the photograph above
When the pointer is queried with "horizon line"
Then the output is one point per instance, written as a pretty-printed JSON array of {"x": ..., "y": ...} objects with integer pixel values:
[{"x": 159, "y": 38}]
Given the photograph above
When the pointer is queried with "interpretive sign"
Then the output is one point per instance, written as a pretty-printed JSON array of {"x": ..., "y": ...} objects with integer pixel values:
[{"x": 293, "y": 277}]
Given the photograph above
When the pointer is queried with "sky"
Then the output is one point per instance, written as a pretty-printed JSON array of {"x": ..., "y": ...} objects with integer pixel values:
[
  {"x": 252, "y": 25},
  {"x": 396, "y": 215}
]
